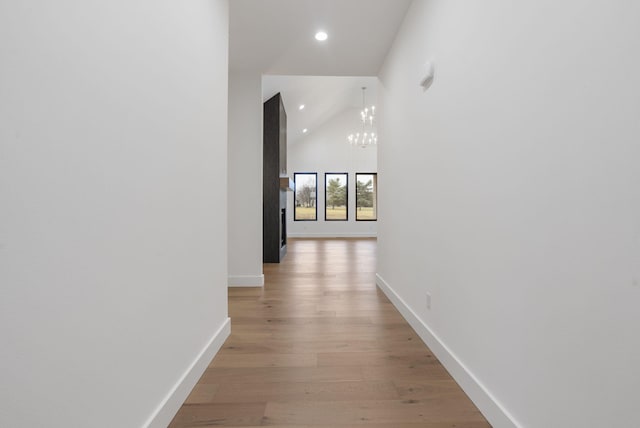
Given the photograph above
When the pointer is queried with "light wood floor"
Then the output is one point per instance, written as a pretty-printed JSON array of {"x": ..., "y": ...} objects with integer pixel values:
[{"x": 321, "y": 346}]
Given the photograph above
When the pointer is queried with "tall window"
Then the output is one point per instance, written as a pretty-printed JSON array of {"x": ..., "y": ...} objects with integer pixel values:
[
  {"x": 305, "y": 196},
  {"x": 366, "y": 196},
  {"x": 336, "y": 197}
]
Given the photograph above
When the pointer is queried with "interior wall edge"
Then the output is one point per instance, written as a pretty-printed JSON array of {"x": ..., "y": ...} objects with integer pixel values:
[
  {"x": 167, "y": 409},
  {"x": 246, "y": 280},
  {"x": 332, "y": 235},
  {"x": 489, "y": 406}
]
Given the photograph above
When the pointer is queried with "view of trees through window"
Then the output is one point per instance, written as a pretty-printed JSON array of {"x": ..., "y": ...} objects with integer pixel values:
[
  {"x": 305, "y": 196},
  {"x": 366, "y": 195},
  {"x": 336, "y": 196}
]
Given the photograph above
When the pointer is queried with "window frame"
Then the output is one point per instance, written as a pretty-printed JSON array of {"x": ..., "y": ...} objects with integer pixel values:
[
  {"x": 346, "y": 185},
  {"x": 295, "y": 196},
  {"x": 375, "y": 192}
]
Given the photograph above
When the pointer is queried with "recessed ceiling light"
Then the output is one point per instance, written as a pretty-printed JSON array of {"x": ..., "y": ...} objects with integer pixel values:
[
  {"x": 321, "y": 36},
  {"x": 305, "y": 130},
  {"x": 301, "y": 107}
]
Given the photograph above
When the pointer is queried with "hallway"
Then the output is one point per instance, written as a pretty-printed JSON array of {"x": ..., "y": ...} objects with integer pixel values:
[{"x": 322, "y": 346}]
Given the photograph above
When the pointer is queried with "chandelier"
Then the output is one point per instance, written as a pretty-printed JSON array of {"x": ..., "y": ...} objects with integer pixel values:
[{"x": 367, "y": 136}]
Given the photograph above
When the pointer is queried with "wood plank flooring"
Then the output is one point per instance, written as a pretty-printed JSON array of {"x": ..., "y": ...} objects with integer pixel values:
[{"x": 321, "y": 346}]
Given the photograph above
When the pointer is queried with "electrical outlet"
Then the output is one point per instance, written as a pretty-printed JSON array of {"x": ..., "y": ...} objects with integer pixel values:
[{"x": 429, "y": 301}]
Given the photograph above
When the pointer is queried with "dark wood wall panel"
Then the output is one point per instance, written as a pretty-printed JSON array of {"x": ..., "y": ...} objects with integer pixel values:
[{"x": 274, "y": 199}]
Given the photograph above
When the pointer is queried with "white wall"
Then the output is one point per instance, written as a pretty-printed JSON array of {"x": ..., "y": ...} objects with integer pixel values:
[
  {"x": 245, "y": 179},
  {"x": 527, "y": 230},
  {"x": 113, "y": 119},
  {"x": 327, "y": 150}
]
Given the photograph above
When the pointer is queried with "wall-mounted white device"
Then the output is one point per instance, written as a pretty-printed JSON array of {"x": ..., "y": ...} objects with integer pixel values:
[{"x": 427, "y": 80}]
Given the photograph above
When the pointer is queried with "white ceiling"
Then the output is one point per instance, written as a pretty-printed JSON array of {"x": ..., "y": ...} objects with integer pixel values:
[
  {"x": 277, "y": 36},
  {"x": 323, "y": 96},
  {"x": 276, "y": 39}
]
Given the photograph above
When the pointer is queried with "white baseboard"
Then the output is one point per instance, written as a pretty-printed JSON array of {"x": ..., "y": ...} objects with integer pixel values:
[
  {"x": 332, "y": 235},
  {"x": 245, "y": 281},
  {"x": 495, "y": 413},
  {"x": 168, "y": 408}
]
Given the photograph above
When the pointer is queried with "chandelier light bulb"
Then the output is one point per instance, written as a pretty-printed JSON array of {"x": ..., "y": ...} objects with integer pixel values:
[{"x": 368, "y": 136}]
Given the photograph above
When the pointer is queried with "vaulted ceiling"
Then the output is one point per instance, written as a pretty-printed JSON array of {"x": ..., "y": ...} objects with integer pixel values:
[
  {"x": 275, "y": 38},
  {"x": 323, "y": 98}
]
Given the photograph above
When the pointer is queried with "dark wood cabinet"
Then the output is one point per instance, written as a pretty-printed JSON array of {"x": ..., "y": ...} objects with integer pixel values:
[{"x": 274, "y": 198}]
